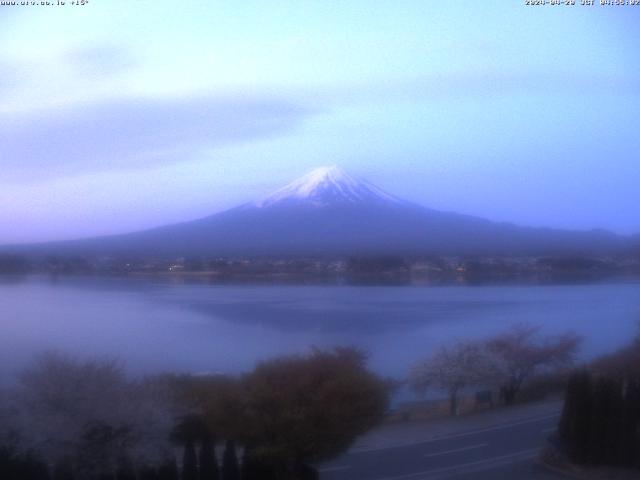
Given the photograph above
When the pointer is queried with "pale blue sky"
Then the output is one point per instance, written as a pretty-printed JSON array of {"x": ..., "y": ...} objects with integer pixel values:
[{"x": 125, "y": 114}]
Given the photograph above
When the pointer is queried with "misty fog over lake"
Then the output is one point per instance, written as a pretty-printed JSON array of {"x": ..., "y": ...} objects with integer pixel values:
[{"x": 155, "y": 326}]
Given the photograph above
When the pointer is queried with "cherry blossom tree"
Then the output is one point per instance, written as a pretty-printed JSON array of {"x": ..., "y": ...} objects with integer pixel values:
[
  {"x": 521, "y": 352},
  {"x": 89, "y": 416},
  {"x": 452, "y": 369}
]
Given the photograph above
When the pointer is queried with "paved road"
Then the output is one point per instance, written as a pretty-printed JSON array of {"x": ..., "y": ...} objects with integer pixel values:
[{"x": 494, "y": 452}]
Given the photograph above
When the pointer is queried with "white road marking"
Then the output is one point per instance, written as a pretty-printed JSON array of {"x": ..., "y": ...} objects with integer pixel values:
[
  {"x": 463, "y": 449},
  {"x": 468, "y": 467},
  {"x": 456, "y": 435},
  {"x": 334, "y": 469}
]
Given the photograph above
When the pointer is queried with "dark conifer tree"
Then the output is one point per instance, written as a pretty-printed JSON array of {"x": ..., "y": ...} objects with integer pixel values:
[
  {"x": 630, "y": 424},
  {"x": 169, "y": 470},
  {"x": 30, "y": 467},
  {"x": 63, "y": 471},
  {"x": 126, "y": 470},
  {"x": 148, "y": 473},
  {"x": 305, "y": 472},
  {"x": 599, "y": 419},
  {"x": 42, "y": 471},
  {"x": 189, "y": 462},
  {"x": 567, "y": 423},
  {"x": 576, "y": 417},
  {"x": 7, "y": 463},
  {"x": 614, "y": 424},
  {"x": 255, "y": 468},
  {"x": 208, "y": 461},
  {"x": 607, "y": 415},
  {"x": 635, "y": 402},
  {"x": 230, "y": 468},
  {"x": 249, "y": 466}
]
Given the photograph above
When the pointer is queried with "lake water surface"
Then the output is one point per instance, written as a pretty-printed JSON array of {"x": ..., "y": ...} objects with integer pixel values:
[{"x": 227, "y": 328}]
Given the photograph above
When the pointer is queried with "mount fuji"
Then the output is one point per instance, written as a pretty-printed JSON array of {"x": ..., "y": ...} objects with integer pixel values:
[{"x": 329, "y": 212}]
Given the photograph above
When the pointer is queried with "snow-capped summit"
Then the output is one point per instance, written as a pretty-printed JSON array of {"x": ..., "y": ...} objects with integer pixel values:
[{"x": 327, "y": 186}]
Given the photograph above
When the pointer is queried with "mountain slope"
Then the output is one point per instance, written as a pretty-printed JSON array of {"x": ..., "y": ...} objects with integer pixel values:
[{"x": 328, "y": 212}]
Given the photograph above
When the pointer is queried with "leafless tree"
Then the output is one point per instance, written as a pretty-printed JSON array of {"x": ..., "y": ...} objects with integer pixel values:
[{"x": 520, "y": 353}]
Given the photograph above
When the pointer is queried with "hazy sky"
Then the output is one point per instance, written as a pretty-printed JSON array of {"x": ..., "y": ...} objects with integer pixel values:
[{"x": 125, "y": 114}]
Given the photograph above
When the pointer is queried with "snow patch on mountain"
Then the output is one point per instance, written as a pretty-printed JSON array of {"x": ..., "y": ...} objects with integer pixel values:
[{"x": 326, "y": 186}]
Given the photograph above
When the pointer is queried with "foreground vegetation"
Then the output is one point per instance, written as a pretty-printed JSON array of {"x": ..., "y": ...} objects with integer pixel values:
[
  {"x": 70, "y": 419},
  {"x": 504, "y": 363},
  {"x": 600, "y": 425},
  {"x": 85, "y": 420}
]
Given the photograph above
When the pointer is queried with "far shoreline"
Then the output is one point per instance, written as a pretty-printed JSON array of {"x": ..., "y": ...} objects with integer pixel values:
[{"x": 291, "y": 280}]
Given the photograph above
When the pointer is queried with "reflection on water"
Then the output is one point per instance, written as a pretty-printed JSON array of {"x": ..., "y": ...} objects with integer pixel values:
[{"x": 198, "y": 328}]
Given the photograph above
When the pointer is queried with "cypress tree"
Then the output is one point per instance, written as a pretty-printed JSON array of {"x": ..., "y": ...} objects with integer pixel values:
[
  {"x": 576, "y": 417},
  {"x": 31, "y": 467},
  {"x": 7, "y": 463},
  {"x": 614, "y": 424},
  {"x": 249, "y": 470},
  {"x": 254, "y": 467},
  {"x": 230, "y": 468},
  {"x": 148, "y": 473},
  {"x": 630, "y": 424},
  {"x": 599, "y": 419},
  {"x": 189, "y": 462},
  {"x": 305, "y": 472},
  {"x": 635, "y": 401},
  {"x": 63, "y": 471},
  {"x": 208, "y": 461},
  {"x": 612, "y": 428},
  {"x": 567, "y": 419},
  {"x": 169, "y": 470},
  {"x": 43, "y": 471},
  {"x": 633, "y": 405},
  {"x": 125, "y": 470}
]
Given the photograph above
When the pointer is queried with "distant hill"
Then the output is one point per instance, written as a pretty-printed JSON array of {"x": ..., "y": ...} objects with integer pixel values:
[{"x": 329, "y": 212}]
